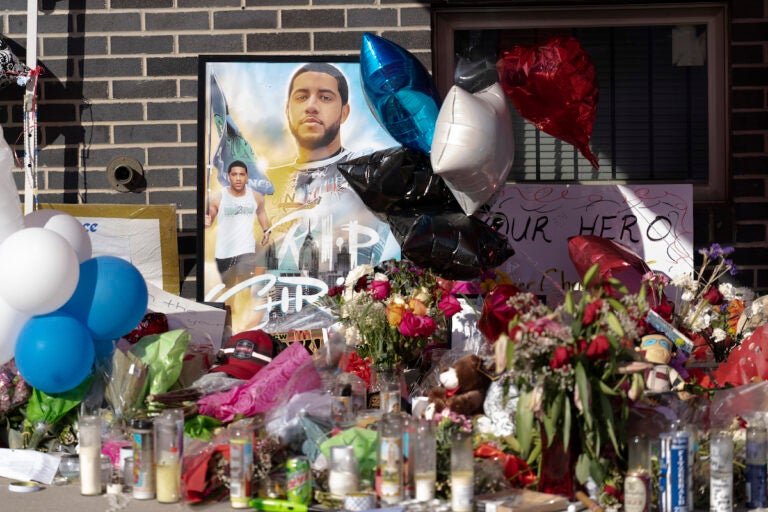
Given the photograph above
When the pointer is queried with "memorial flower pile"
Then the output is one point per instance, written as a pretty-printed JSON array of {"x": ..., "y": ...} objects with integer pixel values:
[{"x": 390, "y": 312}]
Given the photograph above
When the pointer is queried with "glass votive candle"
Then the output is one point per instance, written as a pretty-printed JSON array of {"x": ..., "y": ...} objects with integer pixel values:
[{"x": 342, "y": 475}]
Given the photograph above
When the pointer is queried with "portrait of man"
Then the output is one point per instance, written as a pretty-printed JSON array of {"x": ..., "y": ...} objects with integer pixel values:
[{"x": 296, "y": 121}]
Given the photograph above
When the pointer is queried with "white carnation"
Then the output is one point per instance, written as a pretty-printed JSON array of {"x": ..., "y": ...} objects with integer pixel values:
[{"x": 718, "y": 334}]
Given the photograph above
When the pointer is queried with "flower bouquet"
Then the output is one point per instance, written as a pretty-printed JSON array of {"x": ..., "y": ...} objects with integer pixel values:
[
  {"x": 709, "y": 311},
  {"x": 569, "y": 365},
  {"x": 392, "y": 311}
]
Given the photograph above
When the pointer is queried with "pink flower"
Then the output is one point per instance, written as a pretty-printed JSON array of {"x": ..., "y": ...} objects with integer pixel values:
[
  {"x": 380, "y": 289},
  {"x": 599, "y": 347},
  {"x": 449, "y": 305},
  {"x": 559, "y": 358},
  {"x": 415, "y": 325}
]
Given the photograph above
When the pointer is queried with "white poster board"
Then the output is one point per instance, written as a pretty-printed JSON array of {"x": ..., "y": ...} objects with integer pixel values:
[{"x": 654, "y": 221}]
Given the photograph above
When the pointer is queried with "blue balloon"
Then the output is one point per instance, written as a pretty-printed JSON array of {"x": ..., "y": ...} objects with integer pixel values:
[
  {"x": 54, "y": 352},
  {"x": 399, "y": 91},
  {"x": 104, "y": 349},
  {"x": 110, "y": 298}
]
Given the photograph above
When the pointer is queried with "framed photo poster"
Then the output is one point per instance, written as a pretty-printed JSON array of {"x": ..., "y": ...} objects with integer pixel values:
[{"x": 278, "y": 225}]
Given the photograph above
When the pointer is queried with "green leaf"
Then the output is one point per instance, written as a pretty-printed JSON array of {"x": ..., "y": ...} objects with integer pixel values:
[
  {"x": 590, "y": 275},
  {"x": 606, "y": 389},
  {"x": 618, "y": 285},
  {"x": 583, "y": 464},
  {"x": 568, "y": 305},
  {"x": 584, "y": 392},
  {"x": 552, "y": 416},
  {"x": 524, "y": 421},
  {"x": 567, "y": 426},
  {"x": 615, "y": 304},
  {"x": 609, "y": 426},
  {"x": 597, "y": 469},
  {"x": 614, "y": 323}
]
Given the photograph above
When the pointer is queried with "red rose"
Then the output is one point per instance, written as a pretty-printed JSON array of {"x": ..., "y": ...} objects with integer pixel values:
[
  {"x": 590, "y": 312},
  {"x": 559, "y": 358},
  {"x": 664, "y": 310},
  {"x": 336, "y": 290},
  {"x": 581, "y": 345},
  {"x": 415, "y": 325},
  {"x": 599, "y": 347},
  {"x": 449, "y": 305},
  {"x": 361, "y": 284},
  {"x": 713, "y": 296},
  {"x": 380, "y": 289}
]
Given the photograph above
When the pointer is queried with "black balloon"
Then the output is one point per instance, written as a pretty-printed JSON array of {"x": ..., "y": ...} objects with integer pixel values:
[
  {"x": 398, "y": 185},
  {"x": 475, "y": 75},
  {"x": 453, "y": 244},
  {"x": 394, "y": 179}
]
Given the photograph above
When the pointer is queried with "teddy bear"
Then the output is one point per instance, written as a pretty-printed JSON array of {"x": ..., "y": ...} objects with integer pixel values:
[{"x": 463, "y": 388}]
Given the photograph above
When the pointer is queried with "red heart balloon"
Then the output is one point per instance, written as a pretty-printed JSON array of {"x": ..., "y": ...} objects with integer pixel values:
[{"x": 554, "y": 87}]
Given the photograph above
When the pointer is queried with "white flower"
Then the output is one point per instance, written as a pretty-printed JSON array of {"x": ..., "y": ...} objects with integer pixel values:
[
  {"x": 356, "y": 273},
  {"x": 684, "y": 281},
  {"x": 718, "y": 334},
  {"x": 379, "y": 276},
  {"x": 352, "y": 335},
  {"x": 687, "y": 296}
]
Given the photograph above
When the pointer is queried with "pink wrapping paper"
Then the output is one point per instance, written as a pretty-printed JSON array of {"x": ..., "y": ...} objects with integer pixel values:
[{"x": 291, "y": 372}]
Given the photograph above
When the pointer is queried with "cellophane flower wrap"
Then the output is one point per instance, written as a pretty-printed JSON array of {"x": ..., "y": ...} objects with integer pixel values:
[
  {"x": 569, "y": 365},
  {"x": 390, "y": 312}
]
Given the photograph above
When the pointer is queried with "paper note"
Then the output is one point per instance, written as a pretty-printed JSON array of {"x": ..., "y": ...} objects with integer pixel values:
[{"x": 26, "y": 465}]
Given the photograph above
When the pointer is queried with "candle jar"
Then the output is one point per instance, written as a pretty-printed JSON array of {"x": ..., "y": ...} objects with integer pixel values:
[
  {"x": 462, "y": 472},
  {"x": 143, "y": 481},
  {"x": 342, "y": 476},
  {"x": 167, "y": 459},
  {"x": 721, "y": 472},
  {"x": 637, "y": 482},
  {"x": 240, "y": 465},
  {"x": 389, "y": 471},
  {"x": 89, "y": 450},
  {"x": 425, "y": 461}
]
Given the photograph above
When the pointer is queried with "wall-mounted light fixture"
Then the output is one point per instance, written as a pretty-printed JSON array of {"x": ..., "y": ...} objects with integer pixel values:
[{"x": 126, "y": 174}]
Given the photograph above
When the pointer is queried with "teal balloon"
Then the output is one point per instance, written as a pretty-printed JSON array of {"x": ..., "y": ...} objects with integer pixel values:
[
  {"x": 110, "y": 299},
  {"x": 54, "y": 352},
  {"x": 399, "y": 91}
]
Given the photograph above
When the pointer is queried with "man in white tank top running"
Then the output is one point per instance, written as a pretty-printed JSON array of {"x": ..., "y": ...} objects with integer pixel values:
[{"x": 237, "y": 207}]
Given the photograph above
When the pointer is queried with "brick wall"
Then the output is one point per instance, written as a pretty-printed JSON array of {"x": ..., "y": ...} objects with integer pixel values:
[
  {"x": 121, "y": 79},
  {"x": 749, "y": 139}
]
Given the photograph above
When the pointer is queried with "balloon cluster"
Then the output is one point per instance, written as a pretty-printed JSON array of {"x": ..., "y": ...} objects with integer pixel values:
[
  {"x": 455, "y": 155},
  {"x": 59, "y": 307}
]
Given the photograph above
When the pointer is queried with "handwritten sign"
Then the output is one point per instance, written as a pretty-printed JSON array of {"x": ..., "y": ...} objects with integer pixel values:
[
  {"x": 205, "y": 323},
  {"x": 654, "y": 221}
]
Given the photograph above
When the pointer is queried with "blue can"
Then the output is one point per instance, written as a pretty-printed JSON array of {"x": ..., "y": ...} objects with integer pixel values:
[
  {"x": 673, "y": 472},
  {"x": 756, "y": 456}
]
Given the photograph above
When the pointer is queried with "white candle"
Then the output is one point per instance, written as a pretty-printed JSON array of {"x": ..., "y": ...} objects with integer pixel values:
[
  {"x": 462, "y": 491},
  {"x": 90, "y": 470},
  {"x": 425, "y": 486}
]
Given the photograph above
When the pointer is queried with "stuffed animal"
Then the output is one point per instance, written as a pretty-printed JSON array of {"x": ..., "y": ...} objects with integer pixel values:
[
  {"x": 463, "y": 388},
  {"x": 657, "y": 349}
]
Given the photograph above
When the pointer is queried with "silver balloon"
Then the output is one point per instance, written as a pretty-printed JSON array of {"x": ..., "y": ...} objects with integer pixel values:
[{"x": 473, "y": 146}]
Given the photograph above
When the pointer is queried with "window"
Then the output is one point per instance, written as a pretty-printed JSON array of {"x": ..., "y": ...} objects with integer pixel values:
[{"x": 662, "y": 76}]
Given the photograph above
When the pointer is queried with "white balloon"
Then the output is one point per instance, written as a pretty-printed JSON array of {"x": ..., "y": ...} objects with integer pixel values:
[
  {"x": 64, "y": 224},
  {"x": 39, "y": 271},
  {"x": 473, "y": 146},
  {"x": 11, "y": 218},
  {"x": 11, "y": 323}
]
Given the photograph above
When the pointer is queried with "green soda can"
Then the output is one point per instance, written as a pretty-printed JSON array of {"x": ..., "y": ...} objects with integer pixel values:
[{"x": 298, "y": 480}]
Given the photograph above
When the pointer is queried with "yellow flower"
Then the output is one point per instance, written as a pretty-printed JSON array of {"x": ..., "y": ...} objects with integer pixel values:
[
  {"x": 423, "y": 295},
  {"x": 417, "y": 307},
  {"x": 395, "y": 311}
]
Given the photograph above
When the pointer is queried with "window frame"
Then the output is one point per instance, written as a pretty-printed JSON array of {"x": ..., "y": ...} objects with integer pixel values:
[{"x": 446, "y": 21}]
